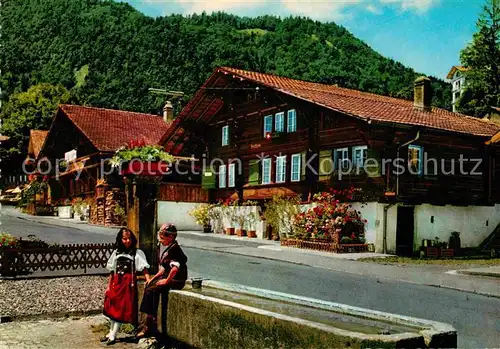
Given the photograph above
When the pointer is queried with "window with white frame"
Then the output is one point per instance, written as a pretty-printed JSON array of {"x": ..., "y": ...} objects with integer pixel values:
[
  {"x": 266, "y": 171},
  {"x": 281, "y": 169},
  {"x": 295, "y": 168},
  {"x": 359, "y": 156},
  {"x": 268, "y": 124},
  {"x": 279, "y": 122},
  {"x": 222, "y": 176},
  {"x": 225, "y": 135},
  {"x": 232, "y": 176},
  {"x": 415, "y": 159},
  {"x": 341, "y": 158},
  {"x": 292, "y": 121}
]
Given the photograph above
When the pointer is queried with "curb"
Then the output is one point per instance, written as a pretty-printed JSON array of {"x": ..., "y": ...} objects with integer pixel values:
[
  {"x": 479, "y": 273},
  {"x": 486, "y": 294}
]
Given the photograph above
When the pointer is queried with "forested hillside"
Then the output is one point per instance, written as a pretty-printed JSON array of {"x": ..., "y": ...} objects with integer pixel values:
[{"x": 108, "y": 54}]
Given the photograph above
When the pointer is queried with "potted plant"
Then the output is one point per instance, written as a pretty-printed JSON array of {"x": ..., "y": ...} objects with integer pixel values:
[
  {"x": 253, "y": 219},
  {"x": 201, "y": 214},
  {"x": 228, "y": 208},
  {"x": 214, "y": 217},
  {"x": 242, "y": 219}
]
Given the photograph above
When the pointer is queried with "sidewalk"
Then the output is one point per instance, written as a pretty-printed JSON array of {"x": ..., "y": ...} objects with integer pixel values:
[
  {"x": 437, "y": 276},
  {"x": 493, "y": 271}
]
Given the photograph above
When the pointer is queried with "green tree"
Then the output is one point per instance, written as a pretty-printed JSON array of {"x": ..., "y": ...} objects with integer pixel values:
[
  {"x": 33, "y": 109},
  {"x": 482, "y": 58}
]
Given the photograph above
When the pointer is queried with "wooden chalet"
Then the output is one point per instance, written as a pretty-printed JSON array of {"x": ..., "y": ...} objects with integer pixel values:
[
  {"x": 84, "y": 137},
  {"x": 260, "y": 131}
]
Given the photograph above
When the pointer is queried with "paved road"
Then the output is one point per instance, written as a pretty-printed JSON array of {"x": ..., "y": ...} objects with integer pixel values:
[
  {"x": 475, "y": 317},
  {"x": 16, "y": 224}
]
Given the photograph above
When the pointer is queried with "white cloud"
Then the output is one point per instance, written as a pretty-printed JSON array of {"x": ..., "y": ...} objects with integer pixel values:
[
  {"x": 320, "y": 9},
  {"x": 325, "y": 10},
  {"x": 373, "y": 9},
  {"x": 219, "y": 5},
  {"x": 416, "y": 5}
]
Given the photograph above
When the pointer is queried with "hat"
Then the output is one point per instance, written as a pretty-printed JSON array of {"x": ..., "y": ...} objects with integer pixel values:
[{"x": 167, "y": 229}]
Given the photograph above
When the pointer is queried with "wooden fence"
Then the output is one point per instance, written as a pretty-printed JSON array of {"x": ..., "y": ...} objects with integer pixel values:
[
  {"x": 318, "y": 245},
  {"x": 25, "y": 261}
]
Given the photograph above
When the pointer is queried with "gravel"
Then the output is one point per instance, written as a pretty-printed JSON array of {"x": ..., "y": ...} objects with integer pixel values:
[{"x": 34, "y": 297}]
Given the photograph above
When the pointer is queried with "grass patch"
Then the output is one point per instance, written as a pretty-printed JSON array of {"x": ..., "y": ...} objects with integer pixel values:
[
  {"x": 103, "y": 328},
  {"x": 447, "y": 261}
]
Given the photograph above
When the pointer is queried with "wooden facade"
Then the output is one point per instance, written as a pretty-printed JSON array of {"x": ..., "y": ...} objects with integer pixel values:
[{"x": 225, "y": 124}]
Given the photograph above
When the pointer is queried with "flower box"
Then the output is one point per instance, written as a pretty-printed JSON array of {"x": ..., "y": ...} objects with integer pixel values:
[
  {"x": 446, "y": 252},
  {"x": 145, "y": 168}
]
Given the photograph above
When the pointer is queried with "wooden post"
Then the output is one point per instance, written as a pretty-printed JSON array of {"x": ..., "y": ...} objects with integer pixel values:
[{"x": 142, "y": 217}]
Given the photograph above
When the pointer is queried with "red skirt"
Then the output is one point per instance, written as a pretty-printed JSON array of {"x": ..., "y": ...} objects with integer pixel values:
[{"x": 120, "y": 302}]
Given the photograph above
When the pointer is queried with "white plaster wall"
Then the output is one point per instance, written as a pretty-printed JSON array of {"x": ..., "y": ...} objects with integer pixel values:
[
  {"x": 391, "y": 228},
  {"x": 368, "y": 212},
  {"x": 178, "y": 214},
  {"x": 227, "y": 221},
  {"x": 470, "y": 221}
]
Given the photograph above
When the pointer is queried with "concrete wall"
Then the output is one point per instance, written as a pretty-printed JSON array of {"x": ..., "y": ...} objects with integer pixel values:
[
  {"x": 206, "y": 322},
  {"x": 178, "y": 214},
  {"x": 475, "y": 223}
]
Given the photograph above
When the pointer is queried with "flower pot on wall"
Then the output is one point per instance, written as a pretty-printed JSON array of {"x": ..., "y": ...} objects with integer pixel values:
[
  {"x": 241, "y": 232},
  {"x": 251, "y": 233}
]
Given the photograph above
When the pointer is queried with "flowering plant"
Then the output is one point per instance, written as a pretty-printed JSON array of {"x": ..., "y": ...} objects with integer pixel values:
[
  {"x": 137, "y": 149},
  {"x": 201, "y": 213},
  {"x": 326, "y": 216},
  {"x": 7, "y": 240}
]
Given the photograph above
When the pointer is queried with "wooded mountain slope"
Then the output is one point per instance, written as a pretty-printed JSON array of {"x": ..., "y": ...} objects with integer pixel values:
[{"x": 109, "y": 54}]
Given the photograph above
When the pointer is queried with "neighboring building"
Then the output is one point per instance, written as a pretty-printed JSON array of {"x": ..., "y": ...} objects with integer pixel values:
[
  {"x": 457, "y": 77},
  {"x": 273, "y": 126},
  {"x": 493, "y": 115}
]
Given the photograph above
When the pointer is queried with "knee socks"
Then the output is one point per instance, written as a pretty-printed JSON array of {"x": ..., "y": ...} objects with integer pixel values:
[{"x": 114, "y": 327}]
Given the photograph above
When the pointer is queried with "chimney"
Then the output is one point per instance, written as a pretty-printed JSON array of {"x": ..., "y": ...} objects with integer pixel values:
[
  {"x": 168, "y": 112},
  {"x": 422, "y": 93}
]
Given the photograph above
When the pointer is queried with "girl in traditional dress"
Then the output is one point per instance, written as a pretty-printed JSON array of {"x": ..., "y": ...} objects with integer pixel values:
[{"x": 120, "y": 300}]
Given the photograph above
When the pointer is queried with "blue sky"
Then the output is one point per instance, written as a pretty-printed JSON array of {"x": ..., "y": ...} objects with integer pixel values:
[{"x": 426, "y": 35}]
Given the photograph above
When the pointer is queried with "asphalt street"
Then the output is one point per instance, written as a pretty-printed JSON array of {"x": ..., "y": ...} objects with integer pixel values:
[{"x": 476, "y": 318}]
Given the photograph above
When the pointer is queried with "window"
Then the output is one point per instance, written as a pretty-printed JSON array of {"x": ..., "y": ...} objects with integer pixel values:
[
  {"x": 232, "y": 175},
  {"x": 280, "y": 169},
  {"x": 225, "y": 135},
  {"x": 341, "y": 158},
  {"x": 359, "y": 156},
  {"x": 266, "y": 171},
  {"x": 415, "y": 159},
  {"x": 295, "y": 170},
  {"x": 268, "y": 124},
  {"x": 222, "y": 176},
  {"x": 279, "y": 122},
  {"x": 292, "y": 121}
]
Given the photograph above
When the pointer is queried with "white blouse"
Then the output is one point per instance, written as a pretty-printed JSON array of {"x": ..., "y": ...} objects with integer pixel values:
[{"x": 141, "y": 262}]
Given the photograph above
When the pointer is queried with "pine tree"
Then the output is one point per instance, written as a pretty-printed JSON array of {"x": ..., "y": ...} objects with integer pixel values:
[{"x": 482, "y": 58}]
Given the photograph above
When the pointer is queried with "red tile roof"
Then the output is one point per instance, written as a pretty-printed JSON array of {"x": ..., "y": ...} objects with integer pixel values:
[
  {"x": 109, "y": 129},
  {"x": 369, "y": 106},
  {"x": 37, "y": 138}
]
